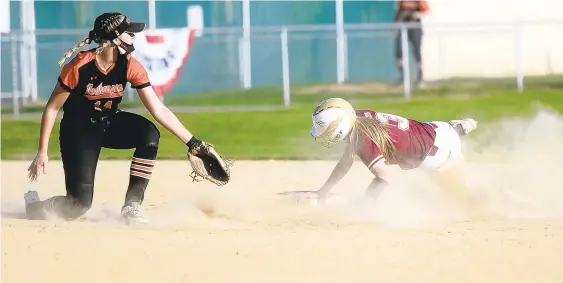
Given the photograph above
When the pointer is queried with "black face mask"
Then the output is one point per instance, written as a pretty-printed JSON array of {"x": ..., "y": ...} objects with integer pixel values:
[{"x": 125, "y": 48}]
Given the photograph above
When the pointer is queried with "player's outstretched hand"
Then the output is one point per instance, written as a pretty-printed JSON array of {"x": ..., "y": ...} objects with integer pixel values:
[
  {"x": 38, "y": 165},
  {"x": 322, "y": 196}
]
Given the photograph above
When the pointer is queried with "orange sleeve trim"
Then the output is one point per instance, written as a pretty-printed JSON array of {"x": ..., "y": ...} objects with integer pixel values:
[
  {"x": 140, "y": 86},
  {"x": 136, "y": 74},
  {"x": 63, "y": 85},
  {"x": 68, "y": 78}
]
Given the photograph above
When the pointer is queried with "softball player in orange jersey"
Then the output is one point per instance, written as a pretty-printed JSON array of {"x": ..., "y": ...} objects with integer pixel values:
[{"x": 89, "y": 89}]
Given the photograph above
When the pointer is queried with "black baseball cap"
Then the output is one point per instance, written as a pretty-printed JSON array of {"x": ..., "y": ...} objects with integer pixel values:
[{"x": 111, "y": 25}]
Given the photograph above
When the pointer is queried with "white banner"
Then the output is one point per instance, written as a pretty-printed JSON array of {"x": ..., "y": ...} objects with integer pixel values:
[
  {"x": 163, "y": 53},
  {"x": 5, "y": 16}
]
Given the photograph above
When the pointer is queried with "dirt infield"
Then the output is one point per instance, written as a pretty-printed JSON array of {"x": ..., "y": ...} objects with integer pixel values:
[{"x": 244, "y": 232}]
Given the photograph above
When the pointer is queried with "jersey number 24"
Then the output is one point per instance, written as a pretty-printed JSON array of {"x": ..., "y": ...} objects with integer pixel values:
[{"x": 107, "y": 105}]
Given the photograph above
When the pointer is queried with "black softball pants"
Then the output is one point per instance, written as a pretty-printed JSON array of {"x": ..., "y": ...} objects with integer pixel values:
[
  {"x": 414, "y": 36},
  {"x": 80, "y": 146}
]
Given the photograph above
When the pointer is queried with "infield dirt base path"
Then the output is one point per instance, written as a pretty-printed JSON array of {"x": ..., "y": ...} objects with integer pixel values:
[{"x": 244, "y": 232}]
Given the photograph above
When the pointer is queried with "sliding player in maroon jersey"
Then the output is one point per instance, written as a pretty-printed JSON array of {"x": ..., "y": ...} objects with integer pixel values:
[
  {"x": 90, "y": 88},
  {"x": 382, "y": 140}
]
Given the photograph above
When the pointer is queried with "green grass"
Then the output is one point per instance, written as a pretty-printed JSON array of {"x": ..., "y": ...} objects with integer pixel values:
[
  {"x": 284, "y": 134},
  {"x": 273, "y": 95}
]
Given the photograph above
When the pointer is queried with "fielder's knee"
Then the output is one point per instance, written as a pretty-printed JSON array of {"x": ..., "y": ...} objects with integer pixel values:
[
  {"x": 148, "y": 146},
  {"x": 151, "y": 137}
]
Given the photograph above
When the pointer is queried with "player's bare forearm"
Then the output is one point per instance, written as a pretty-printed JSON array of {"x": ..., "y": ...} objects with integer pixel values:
[
  {"x": 375, "y": 188},
  {"x": 56, "y": 101},
  {"x": 163, "y": 115},
  {"x": 47, "y": 122},
  {"x": 339, "y": 172},
  {"x": 170, "y": 122}
]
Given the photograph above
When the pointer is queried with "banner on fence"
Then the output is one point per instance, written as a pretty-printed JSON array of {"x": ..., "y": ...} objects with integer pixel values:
[
  {"x": 163, "y": 53},
  {"x": 4, "y": 16}
]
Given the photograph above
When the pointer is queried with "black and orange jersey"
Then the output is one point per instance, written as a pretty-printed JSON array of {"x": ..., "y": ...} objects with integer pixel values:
[
  {"x": 417, "y": 5},
  {"x": 94, "y": 92}
]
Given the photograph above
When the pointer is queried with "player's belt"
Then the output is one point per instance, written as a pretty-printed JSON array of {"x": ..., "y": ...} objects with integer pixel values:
[
  {"x": 103, "y": 120},
  {"x": 98, "y": 120}
]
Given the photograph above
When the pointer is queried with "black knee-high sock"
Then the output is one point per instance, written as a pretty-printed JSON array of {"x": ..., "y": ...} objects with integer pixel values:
[{"x": 140, "y": 173}]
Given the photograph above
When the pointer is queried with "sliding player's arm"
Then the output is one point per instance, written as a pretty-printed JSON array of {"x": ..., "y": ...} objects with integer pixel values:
[{"x": 341, "y": 169}]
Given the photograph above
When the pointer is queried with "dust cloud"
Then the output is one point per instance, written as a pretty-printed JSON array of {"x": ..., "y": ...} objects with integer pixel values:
[
  {"x": 517, "y": 163},
  {"x": 411, "y": 233},
  {"x": 513, "y": 166}
]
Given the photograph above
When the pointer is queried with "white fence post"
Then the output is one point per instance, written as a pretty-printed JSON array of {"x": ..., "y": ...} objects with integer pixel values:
[
  {"x": 15, "y": 72},
  {"x": 285, "y": 68},
  {"x": 406, "y": 63},
  {"x": 518, "y": 58},
  {"x": 241, "y": 63},
  {"x": 152, "y": 14},
  {"x": 246, "y": 46},
  {"x": 152, "y": 25},
  {"x": 345, "y": 43},
  {"x": 340, "y": 48},
  {"x": 29, "y": 51}
]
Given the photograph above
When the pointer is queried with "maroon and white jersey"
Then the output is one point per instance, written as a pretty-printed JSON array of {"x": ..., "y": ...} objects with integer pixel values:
[{"x": 413, "y": 140}]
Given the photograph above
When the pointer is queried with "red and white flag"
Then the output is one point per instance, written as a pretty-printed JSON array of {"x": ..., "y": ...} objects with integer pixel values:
[{"x": 163, "y": 53}]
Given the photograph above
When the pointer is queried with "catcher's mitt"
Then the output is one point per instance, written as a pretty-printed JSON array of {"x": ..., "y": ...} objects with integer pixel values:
[{"x": 208, "y": 164}]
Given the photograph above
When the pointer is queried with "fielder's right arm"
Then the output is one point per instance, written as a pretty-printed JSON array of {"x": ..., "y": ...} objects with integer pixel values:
[
  {"x": 341, "y": 169},
  {"x": 58, "y": 97}
]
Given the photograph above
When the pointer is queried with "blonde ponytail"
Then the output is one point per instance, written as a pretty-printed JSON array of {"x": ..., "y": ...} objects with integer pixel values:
[
  {"x": 73, "y": 50},
  {"x": 102, "y": 47},
  {"x": 377, "y": 132},
  {"x": 82, "y": 43}
]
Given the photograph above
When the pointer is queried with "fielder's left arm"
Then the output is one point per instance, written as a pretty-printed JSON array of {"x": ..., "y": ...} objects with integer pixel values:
[{"x": 204, "y": 159}]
